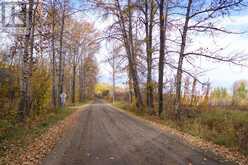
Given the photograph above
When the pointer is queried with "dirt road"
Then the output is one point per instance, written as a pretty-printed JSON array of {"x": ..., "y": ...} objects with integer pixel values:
[{"x": 106, "y": 136}]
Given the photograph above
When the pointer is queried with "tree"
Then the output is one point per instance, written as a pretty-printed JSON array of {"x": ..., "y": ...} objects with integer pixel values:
[
  {"x": 149, "y": 8},
  {"x": 124, "y": 16},
  {"x": 90, "y": 71},
  {"x": 61, "y": 55},
  {"x": 163, "y": 24},
  {"x": 48, "y": 49},
  {"x": 88, "y": 45},
  {"x": 199, "y": 18},
  {"x": 74, "y": 46},
  {"x": 240, "y": 91},
  {"x": 114, "y": 64},
  {"x": 219, "y": 96},
  {"x": 193, "y": 92},
  {"x": 27, "y": 62},
  {"x": 53, "y": 14}
]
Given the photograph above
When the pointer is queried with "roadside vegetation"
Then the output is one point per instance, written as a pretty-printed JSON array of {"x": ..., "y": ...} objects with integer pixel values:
[
  {"x": 44, "y": 71},
  {"x": 154, "y": 46},
  {"x": 19, "y": 135},
  {"x": 223, "y": 127}
]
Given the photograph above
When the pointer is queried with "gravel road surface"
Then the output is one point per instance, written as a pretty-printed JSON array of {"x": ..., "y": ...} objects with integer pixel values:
[{"x": 105, "y": 136}]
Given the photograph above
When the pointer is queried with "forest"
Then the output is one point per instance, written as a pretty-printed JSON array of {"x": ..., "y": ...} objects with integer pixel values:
[{"x": 55, "y": 60}]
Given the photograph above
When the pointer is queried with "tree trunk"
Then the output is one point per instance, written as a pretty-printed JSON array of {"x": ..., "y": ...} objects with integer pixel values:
[
  {"x": 61, "y": 70},
  {"x": 162, "y": 22},
  {"x": 54, "y": 91},
  {"x": 74, "y": 68},
  {"x": 132, "y": 62},
  {"x": 130, "y": 86},
  {"x": 149, "y": 51},
  {"x": 193, "y": 92},
  {"x": 180, "y": 63},
  {"x": 24, "y": 104},
  {"x": 178, "y": 88},
  {"x": 113, "y": 78},
  {"x": 81, "y": 81},
  {"x": 128, "y": 42},
  {"x": 206, "y": 97},
  {"x": 113, "y": 97},
  {"x": 73, "y": 84}
]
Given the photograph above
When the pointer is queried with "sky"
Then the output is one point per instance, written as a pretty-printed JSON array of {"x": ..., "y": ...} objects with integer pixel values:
[
  {"x": 219, "y": 74},
  {"x": 225, "y": 75}
]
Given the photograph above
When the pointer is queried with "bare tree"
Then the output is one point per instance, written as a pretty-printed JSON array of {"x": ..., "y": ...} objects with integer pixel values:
[
  {"x": 163, "y": 24},
  {"x": 149, "y": 8},
  {"x": 199, "y": 17}
]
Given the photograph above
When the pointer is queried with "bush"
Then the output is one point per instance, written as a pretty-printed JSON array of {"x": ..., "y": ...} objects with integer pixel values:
[{"x": 41, "y": 90}]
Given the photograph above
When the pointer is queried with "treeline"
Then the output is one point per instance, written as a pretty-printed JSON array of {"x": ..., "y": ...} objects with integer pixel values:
[
  {"x": 53, "y": 54},
  {"x": 238, "y": 99},
  {"x": 155, "y": 44}
]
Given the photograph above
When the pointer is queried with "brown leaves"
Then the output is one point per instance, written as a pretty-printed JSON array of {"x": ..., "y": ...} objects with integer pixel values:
[
  {"x": 228, "y": 154},
  {"x": 34, "y": 153}
]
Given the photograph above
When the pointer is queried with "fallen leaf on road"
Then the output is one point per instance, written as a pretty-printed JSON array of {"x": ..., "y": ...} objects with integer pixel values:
[{"x": 111, "y": 158}]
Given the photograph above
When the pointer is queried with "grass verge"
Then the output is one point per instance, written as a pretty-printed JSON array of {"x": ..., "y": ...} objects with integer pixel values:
[
  {"x": 226, "y": 128},
  {"x": 18, "y": 135}
]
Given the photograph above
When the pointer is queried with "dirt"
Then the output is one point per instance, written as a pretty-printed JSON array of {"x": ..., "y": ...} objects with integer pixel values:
[{"x": 103, "y": 135}]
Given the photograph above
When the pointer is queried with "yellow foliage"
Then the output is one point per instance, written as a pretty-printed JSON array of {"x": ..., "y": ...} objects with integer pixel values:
[{"x": 102, "y": 88}]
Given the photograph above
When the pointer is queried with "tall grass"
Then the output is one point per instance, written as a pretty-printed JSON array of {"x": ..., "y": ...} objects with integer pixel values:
[{"x": 223, "y": 127}]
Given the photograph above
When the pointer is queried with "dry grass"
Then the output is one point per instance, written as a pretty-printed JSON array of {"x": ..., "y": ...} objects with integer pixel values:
[{"x": 223, "y": 132}]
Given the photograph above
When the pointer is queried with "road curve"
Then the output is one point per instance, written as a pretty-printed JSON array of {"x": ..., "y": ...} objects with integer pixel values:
[{"x": 106, "y": 136}]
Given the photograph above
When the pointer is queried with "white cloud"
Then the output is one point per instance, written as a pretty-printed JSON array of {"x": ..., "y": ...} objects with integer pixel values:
[
  {"x": 238, "y": 22},
  {"x": 224, "y": 74},
  {"x": 220, "y": 74}
]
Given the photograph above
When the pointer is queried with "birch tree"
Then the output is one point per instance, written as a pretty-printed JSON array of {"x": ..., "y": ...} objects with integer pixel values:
[
  {"x": 199, "y": 17},
  {"x": 26, "y": 72},
  {"x": 124, "y": 15}
]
